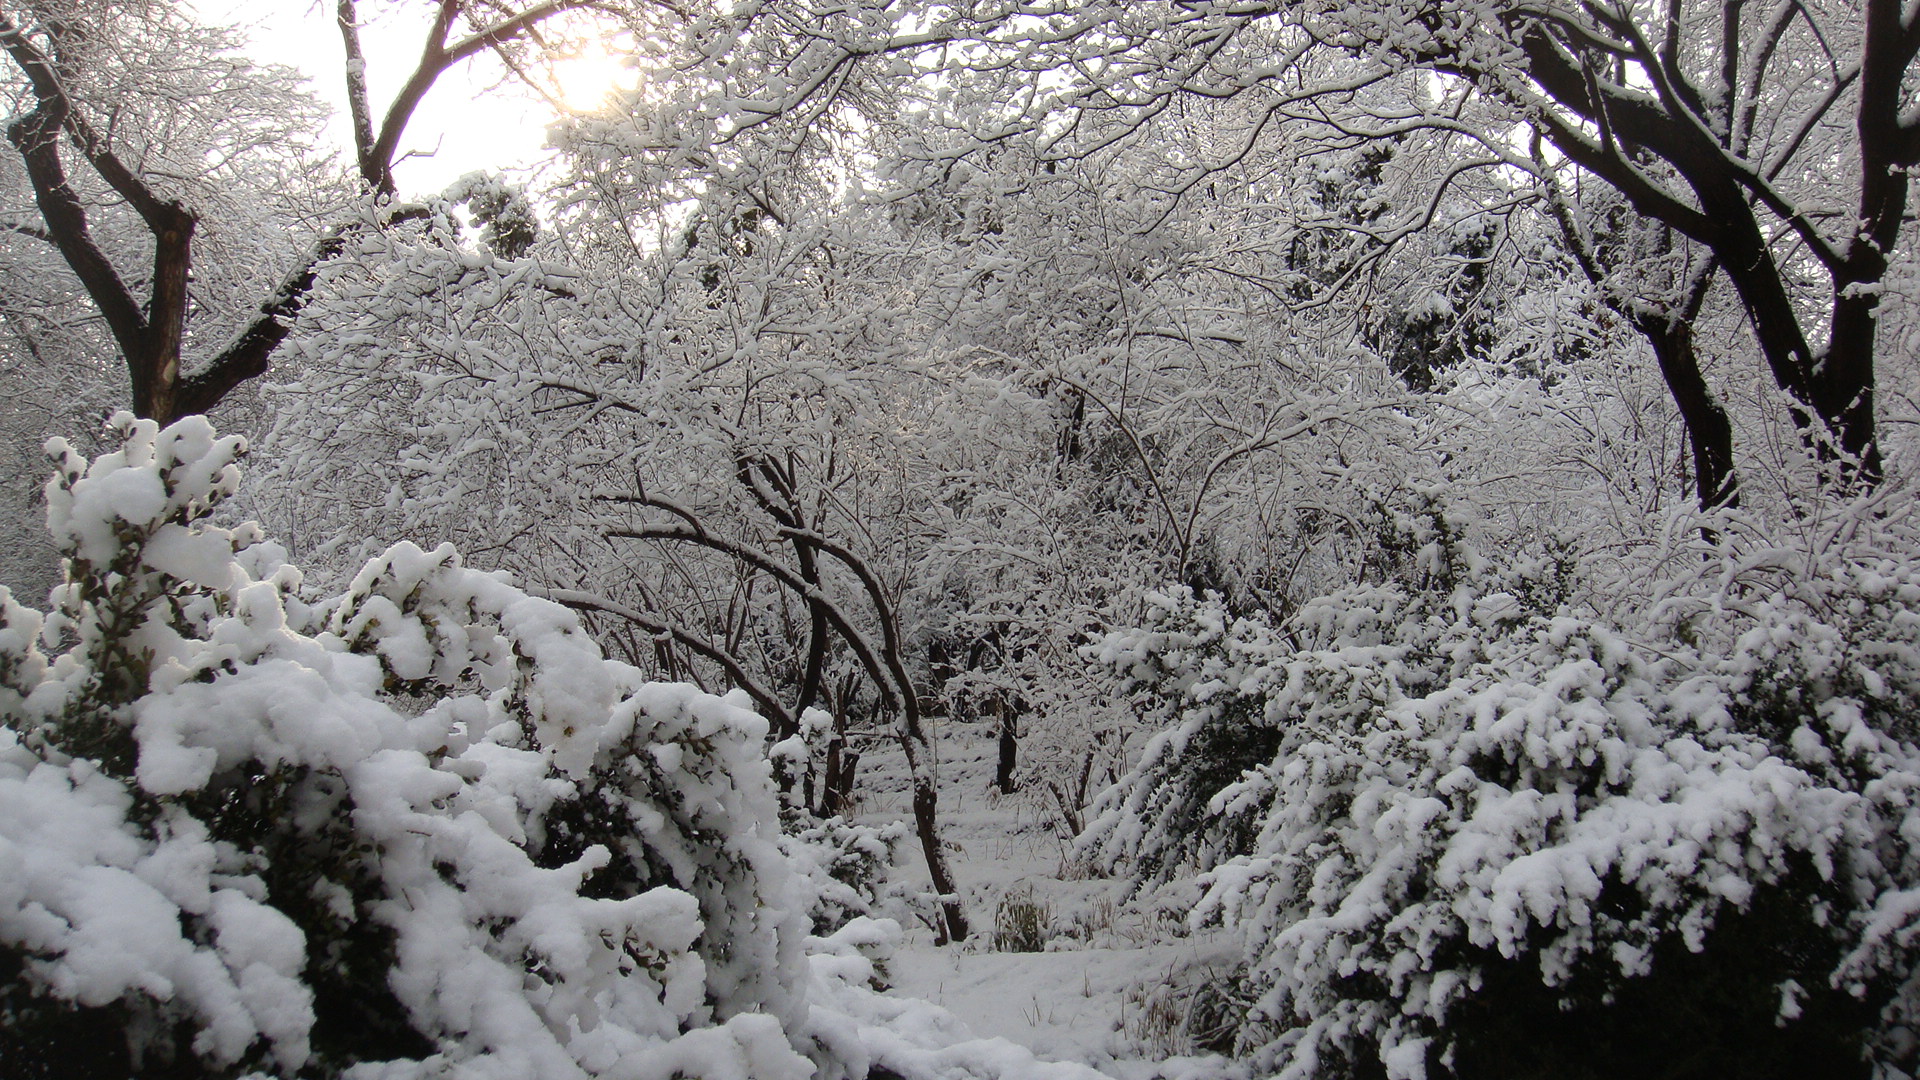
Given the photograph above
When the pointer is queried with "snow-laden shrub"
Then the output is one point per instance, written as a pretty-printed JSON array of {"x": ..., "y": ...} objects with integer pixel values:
[
  {"x": 1228, "y": 688},
  {"x": 842, "y": 867},
  {"x": 1462, "y": 830},
  {"x": 419, "y": 829}
]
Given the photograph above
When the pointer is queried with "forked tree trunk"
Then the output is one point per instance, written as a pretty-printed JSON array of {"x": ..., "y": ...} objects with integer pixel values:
[
  {"x": 1721, "y": 193},
  {"x": 149, "y": 332}
]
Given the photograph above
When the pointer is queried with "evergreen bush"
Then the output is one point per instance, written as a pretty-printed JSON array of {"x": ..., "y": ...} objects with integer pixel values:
[
  {"x": 1463, "y": 828},
  {"x": 422, "y": 828}
]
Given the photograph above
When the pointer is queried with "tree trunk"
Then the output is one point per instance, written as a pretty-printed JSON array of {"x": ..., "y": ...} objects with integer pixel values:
[
  {"x": 1709, "y": 431},
  {"x": 1009, "y": 745},
  {"x": 1627, "y": 127},
  {"x": 953, "y": 921},
  {"x": 926, "y": 815},
  {"x": 1844, "y": 392}
]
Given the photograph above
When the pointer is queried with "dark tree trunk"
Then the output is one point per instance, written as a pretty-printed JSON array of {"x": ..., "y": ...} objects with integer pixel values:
[
  {"x": 840, "y": 769},
  {"x": 953, "y": 925},
  {"x": 1630, "y": 136},
  {"x": 1009, "y": 745},
  {"x": 1709, "y": 432}
]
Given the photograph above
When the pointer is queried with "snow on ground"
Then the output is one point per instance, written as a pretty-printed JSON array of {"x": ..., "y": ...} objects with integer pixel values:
[
  {"x": 1109, "y": 982},
  {"x": 1065, "y": 1005}
]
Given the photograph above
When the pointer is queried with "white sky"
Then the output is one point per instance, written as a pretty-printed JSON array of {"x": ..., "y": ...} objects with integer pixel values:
[{"x": 466, "y": 123}]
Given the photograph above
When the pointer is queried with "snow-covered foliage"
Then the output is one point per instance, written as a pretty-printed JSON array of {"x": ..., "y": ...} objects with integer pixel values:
[
  {"x": 1462, "y": 826},
  {"x": 506, "y": 219},
  {"x": 422, "y": 828},
  {"x": 843, "y": 867}
]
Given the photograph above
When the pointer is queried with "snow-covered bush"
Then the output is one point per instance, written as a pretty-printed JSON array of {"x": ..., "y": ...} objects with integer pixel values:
[
  {"x": 422, "y": 828},
  {"x": 842, "y": 867},
  {"x": 1226, "y": 687},
  {"x": 1463, "y": 828}
]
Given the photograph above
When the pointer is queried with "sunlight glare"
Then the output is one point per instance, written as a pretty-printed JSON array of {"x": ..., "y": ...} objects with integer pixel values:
[{"x": 584, "y": 79}]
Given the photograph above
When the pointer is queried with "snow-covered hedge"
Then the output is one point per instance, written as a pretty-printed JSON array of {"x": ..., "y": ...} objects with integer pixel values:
[
  {"x": 420, "y": 829},
  {"x": 1465, "y": 829}
]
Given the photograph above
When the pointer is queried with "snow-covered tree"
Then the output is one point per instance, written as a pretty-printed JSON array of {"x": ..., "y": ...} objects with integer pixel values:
[
  {"x": 156, "y": 157},
  {"x": 1772, "y": 139}
]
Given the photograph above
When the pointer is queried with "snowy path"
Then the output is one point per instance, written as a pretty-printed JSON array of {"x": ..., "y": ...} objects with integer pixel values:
[
  {"x": 1066, "y": 1006},
  {"x": 1080, "y": 1001}
]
